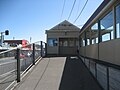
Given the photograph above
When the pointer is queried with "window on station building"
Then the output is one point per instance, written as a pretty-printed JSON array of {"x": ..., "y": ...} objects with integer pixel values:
[
  {"x": 52, "y": 42},
  {"x": 118, "y": 21},
  {"x": 94, "y": 33},
  {"x": 82, "y": 40},
  {"x": 106, "y": 26},
  {"x": 71, "y": 42},
  {"x": 60, "y": 43},
  {"x": 65, "y": 43},
  {"x": 76, "y": 42},
  {"x": 88, "y": 37}
]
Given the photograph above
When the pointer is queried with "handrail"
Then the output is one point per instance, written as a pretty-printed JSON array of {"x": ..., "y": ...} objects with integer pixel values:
[
  {"x": 7, "y": 51},
  {"x": 23, "y": 60},
  {"x": 103, "y": 62}
]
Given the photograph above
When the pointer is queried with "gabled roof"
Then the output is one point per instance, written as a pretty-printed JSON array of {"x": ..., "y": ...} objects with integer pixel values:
[{"x": 65, "y": 25}]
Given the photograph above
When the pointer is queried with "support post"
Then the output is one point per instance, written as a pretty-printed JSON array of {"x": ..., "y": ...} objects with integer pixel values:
[
  {"x": 107, "y": 78},
  {"x": 33, "y": 54},
  {"x": 41, "y": 48},
  {"x": 2, "y": 38},
  {"x": 45, "y": 49},
  {"x": 96, "y": 70},
  {"x": 18, "y": 65}
]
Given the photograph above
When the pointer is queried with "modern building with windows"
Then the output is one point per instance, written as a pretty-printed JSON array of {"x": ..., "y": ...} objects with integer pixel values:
[
  {"x": 63, "y": 39},
  {"x": 101, "y": 33},
  {"x": 100, "y": 44}
]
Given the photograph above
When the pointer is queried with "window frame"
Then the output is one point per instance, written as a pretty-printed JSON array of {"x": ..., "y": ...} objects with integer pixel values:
[
  {"x": 53, "y": 42},
  {"x": 99, "y": 25}
]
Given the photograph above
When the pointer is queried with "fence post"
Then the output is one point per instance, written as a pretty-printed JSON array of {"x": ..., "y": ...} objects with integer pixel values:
[
  {"x": 107, "y": 78},
  {"x": 18, "y": 64},
  {"x": 33, "y": 54},
  {"x": 89, "y": 64},
  {"x": 45, "y": 49},
  {"x": 41, "y": 48},
  {"x": 96, "y": 70}
]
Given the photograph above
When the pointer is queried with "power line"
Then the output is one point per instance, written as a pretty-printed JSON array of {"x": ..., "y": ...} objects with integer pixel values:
[
  {"x": 63, "y": 9},
  {"x": 78, "y": 8},
  {"x": 72, "y": 9},
  {"x": 81, "y": 11}
]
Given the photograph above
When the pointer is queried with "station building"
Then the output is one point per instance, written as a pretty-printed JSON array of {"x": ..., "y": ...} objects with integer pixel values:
[{"x": 63, "y": 39}]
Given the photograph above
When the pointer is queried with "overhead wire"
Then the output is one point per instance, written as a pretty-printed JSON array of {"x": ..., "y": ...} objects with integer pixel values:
[
  {"x": 78, "y": 8},
  {"x": 62, "y": 9},
  {"x": 81, "y": 11},
  {"x": 71, "y": 10}
]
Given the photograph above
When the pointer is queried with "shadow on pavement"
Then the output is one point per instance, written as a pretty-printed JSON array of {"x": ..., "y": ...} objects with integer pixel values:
[{"x": 77, "y": 77}]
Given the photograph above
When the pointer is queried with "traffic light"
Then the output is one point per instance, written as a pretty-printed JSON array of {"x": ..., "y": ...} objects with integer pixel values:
[{"x": 6, "y": 32}]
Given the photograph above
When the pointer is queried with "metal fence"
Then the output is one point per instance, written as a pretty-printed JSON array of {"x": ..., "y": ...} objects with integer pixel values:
[
  {"x": 15, "y": 63},
  {"x": 8, "y": 67},
  {"x": 107, "y": 74}
]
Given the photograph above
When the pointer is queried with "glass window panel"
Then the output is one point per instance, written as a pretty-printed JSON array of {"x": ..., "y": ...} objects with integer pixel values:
[
  {"x": 82, "y": 38},
  {"x": 94, "y": 33},
  {"x": 106, "y": 25},
  {"x": 60, "y": 43},
  {"x": 88, "y": 41},
  {"x": 118, "y": 21},
  {"x": 52, "y": 42},
  {"x": 83, "y": 42},
  {"x": 76, "y": 42},
  {"x": 95, "y": 27},
  {"x": 71, "y": 42},
  {"x": 96, "y": 40},
  {"x": 88, "y": 36},
  {"x": 65, "y": 43}
]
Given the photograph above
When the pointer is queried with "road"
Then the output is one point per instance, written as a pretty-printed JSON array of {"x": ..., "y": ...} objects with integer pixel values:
[{"x": 8, "y": 67}]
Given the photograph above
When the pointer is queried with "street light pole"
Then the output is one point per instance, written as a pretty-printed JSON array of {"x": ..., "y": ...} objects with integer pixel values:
[
  {"x": 2, "y": 36},
  {"x": 30, "y": 39}
]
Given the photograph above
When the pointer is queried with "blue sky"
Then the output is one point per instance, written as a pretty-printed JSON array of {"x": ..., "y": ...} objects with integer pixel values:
[{"x": 30, "y": 18}]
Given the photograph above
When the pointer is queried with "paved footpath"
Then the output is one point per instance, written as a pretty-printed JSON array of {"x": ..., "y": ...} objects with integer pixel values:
[
  {"x": 59, "y": 73},
  {"x": 46, "y": 75}
]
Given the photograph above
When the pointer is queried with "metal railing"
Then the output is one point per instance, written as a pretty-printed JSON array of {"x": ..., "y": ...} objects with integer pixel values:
[
  {"x": 8, "y": 67},
  {"x": 15, "y": 63},
  {"x": 107, "y": 74}
]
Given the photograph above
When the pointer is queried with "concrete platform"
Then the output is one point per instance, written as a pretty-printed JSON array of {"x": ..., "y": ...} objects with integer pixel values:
[
  {"x": 59, "y": 73},
  {"x": 46, "y": 75}
]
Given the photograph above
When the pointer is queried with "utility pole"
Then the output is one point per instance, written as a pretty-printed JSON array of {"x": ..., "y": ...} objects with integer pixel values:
[
  {"x": 2, "y": 38},
  {"x": 30, "y": 39},
  {"x": 13, "y": 38}
]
